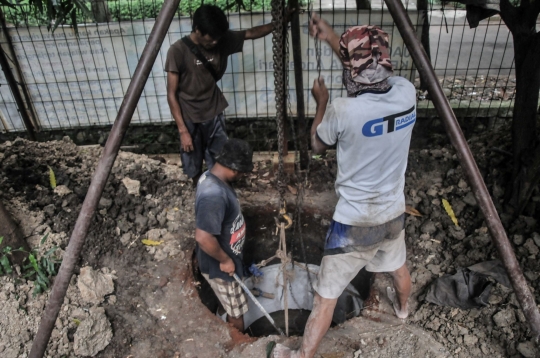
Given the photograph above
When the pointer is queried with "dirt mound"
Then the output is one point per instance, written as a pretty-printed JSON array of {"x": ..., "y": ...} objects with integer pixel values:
[
  {"x": 154, "y": 309},
  {"x": 114, "y": 239},
  {"x": 437, "y": 247}
]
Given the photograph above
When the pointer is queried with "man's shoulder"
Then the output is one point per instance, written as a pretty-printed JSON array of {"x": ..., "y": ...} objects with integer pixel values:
[
  {"x": 232, "y": 41},
  {"x": 342, "y": 107},
  {"x": 178, "y": 47},
  {"x": 210, "y": 187},
  {"x": 232, "y": 35},
  {"x": 339, "y": 102},
  {"x": 401, "y": 82}
]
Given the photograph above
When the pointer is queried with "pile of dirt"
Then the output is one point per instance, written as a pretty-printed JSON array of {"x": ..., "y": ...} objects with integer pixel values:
[
  {"x": 152, "y": 307},
  {"x": 438, "y": 247},
  {"x": 114, "y": 239}
]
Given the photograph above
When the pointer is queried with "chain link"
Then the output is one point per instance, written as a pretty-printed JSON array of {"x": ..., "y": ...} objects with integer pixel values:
[
  {"x": 303, "y": 182},
  {"x": 279, "y": 82},
  {"x": 316, "y": 42},
  {"x": 280, "y": 47}
]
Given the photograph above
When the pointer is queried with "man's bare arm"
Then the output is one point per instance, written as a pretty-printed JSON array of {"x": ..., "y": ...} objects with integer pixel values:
[
  {"x": 320, "y": 93},
  {"x": 172, "y": 86},
  {"x": 209, "y": 244},
  {"x": 317, "y": 146},
  {"x": 259, "y": 31},
  {"x": 321, "y": 29}
]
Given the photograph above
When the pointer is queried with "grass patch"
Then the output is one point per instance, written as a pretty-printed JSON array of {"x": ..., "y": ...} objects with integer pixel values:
[{"x": 36, "y": 267}]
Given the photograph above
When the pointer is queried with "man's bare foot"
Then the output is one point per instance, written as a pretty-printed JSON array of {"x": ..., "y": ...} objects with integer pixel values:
[
  {"x": 401, "y": 312},
  {"x": 280, "y": 351}
]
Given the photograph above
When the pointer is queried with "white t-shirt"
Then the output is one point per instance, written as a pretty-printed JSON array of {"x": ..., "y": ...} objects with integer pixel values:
[{"x": 373, "y": 134}]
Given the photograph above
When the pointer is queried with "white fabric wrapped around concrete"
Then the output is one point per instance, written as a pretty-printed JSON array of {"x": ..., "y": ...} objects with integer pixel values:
[{"x": 300, "y": 298}]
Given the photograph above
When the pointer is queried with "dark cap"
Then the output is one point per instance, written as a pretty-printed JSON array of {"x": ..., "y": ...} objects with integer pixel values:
[{"x": 236, "y": 155}]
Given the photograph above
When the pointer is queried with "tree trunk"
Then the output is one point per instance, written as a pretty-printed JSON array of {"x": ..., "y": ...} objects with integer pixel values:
[
  {"x": 13, "y": 236},
  {"x": 521, "y": 21},
  {"x": 100, "y": 9},
  {"x": 363, "y": 5},
  {"x": 526, "y": 155}
]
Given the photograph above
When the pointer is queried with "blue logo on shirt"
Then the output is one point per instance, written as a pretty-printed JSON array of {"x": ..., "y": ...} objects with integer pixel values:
[{"x": 397, "y": 121}]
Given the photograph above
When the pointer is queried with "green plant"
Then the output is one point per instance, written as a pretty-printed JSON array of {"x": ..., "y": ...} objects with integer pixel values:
[
  {"x": 23, "y": 14},
  {"x": 5, "y": 265},
  {"x": 125, "y": 10},
  {"x": 39, "y": 269}
]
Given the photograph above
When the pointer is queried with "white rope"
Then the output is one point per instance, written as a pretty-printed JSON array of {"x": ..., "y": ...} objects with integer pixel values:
[
  {"x": 285, "y": 260},
  {"x": 287, "y": 275}
]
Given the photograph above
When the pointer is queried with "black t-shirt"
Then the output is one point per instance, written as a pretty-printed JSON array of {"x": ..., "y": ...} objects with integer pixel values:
[{"x": 217, "y": 211}]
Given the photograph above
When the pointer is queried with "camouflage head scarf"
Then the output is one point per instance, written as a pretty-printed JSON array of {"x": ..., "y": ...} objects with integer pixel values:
[{"x": 365, "y": 57}]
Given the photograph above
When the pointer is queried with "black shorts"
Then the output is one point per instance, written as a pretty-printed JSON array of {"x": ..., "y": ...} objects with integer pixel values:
[{"x": 208, "y": 139}]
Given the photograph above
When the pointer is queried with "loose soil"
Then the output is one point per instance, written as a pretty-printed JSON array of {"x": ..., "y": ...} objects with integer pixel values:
[{"x": 155, "y": 309}]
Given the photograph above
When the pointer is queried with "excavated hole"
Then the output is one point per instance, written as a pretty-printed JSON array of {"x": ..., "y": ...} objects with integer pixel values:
[{"x": 261, "y": 244}]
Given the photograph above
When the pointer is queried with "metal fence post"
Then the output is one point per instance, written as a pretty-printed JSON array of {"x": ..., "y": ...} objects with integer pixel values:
[
  {"x": 101, "y": 174},
  {"x": 299, "y": 84}
]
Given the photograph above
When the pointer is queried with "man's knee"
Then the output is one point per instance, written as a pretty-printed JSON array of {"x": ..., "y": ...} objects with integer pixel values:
[
  {"x": 324, "y": 303},
  {"x": 401, "y": 273}
]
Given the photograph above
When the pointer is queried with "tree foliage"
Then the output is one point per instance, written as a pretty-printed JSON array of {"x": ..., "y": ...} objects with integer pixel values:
[
  {"x": 56, "y": 12},
  {"x": 52, "y": 13}
]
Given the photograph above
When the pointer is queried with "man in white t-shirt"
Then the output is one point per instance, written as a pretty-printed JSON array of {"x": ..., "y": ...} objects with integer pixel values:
[{"x": 372, "y": 130}]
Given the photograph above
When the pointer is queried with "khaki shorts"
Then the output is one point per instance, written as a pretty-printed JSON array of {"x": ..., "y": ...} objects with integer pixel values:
[
  {"x": 230, "y": 294},
  {"x": 338, "y": 270}
]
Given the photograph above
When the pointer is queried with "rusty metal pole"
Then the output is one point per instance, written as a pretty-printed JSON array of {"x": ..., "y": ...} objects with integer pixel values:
[
  {"x": 13, "y": 85},
  {"x": 24, "y": 89},
  {"x": 498, "y": 235},
  {"x": 101, "y": 174}
]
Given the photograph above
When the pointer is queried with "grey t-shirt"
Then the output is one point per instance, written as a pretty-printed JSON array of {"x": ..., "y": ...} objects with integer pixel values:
[
  {"x": 199, "y": 97},
  {"x": 373, "y": 134},
  {"x": 217, "y": 211}
]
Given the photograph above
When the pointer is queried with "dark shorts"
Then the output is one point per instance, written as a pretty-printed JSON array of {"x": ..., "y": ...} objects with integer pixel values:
[
  {"x": 342, "y": 238},
  {"x": 208, "y": 139}
]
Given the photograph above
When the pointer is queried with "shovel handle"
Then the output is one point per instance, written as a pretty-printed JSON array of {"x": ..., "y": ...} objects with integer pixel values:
[{"x": 248, "y": 292}]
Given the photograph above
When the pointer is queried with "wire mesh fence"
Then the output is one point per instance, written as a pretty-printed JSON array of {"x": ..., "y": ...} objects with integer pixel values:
[{"x": 79, "y": 80}]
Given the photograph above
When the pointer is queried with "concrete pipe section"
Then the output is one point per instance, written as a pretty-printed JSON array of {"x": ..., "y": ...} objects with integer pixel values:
[{"x": 300, "y": 297}]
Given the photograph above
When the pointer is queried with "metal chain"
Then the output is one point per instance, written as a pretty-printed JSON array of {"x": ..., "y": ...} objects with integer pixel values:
[
  {"x": 281, "y": 78},
  {"x": 280, "y": 57},
  {"x": 297, "y": 173},
  {"x": 316, "y": 41},
  {"x": 302, "y": 182},
  {"x": 277, "y": 47}
]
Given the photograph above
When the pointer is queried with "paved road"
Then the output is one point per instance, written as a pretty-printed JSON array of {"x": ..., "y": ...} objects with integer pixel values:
[
  {"x": 457, "y": 48},
  {"x": 465, "y": 51}
]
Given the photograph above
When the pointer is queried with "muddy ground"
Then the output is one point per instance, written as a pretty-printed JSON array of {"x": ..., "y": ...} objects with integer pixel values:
[{"x": 128, "y": 299}]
